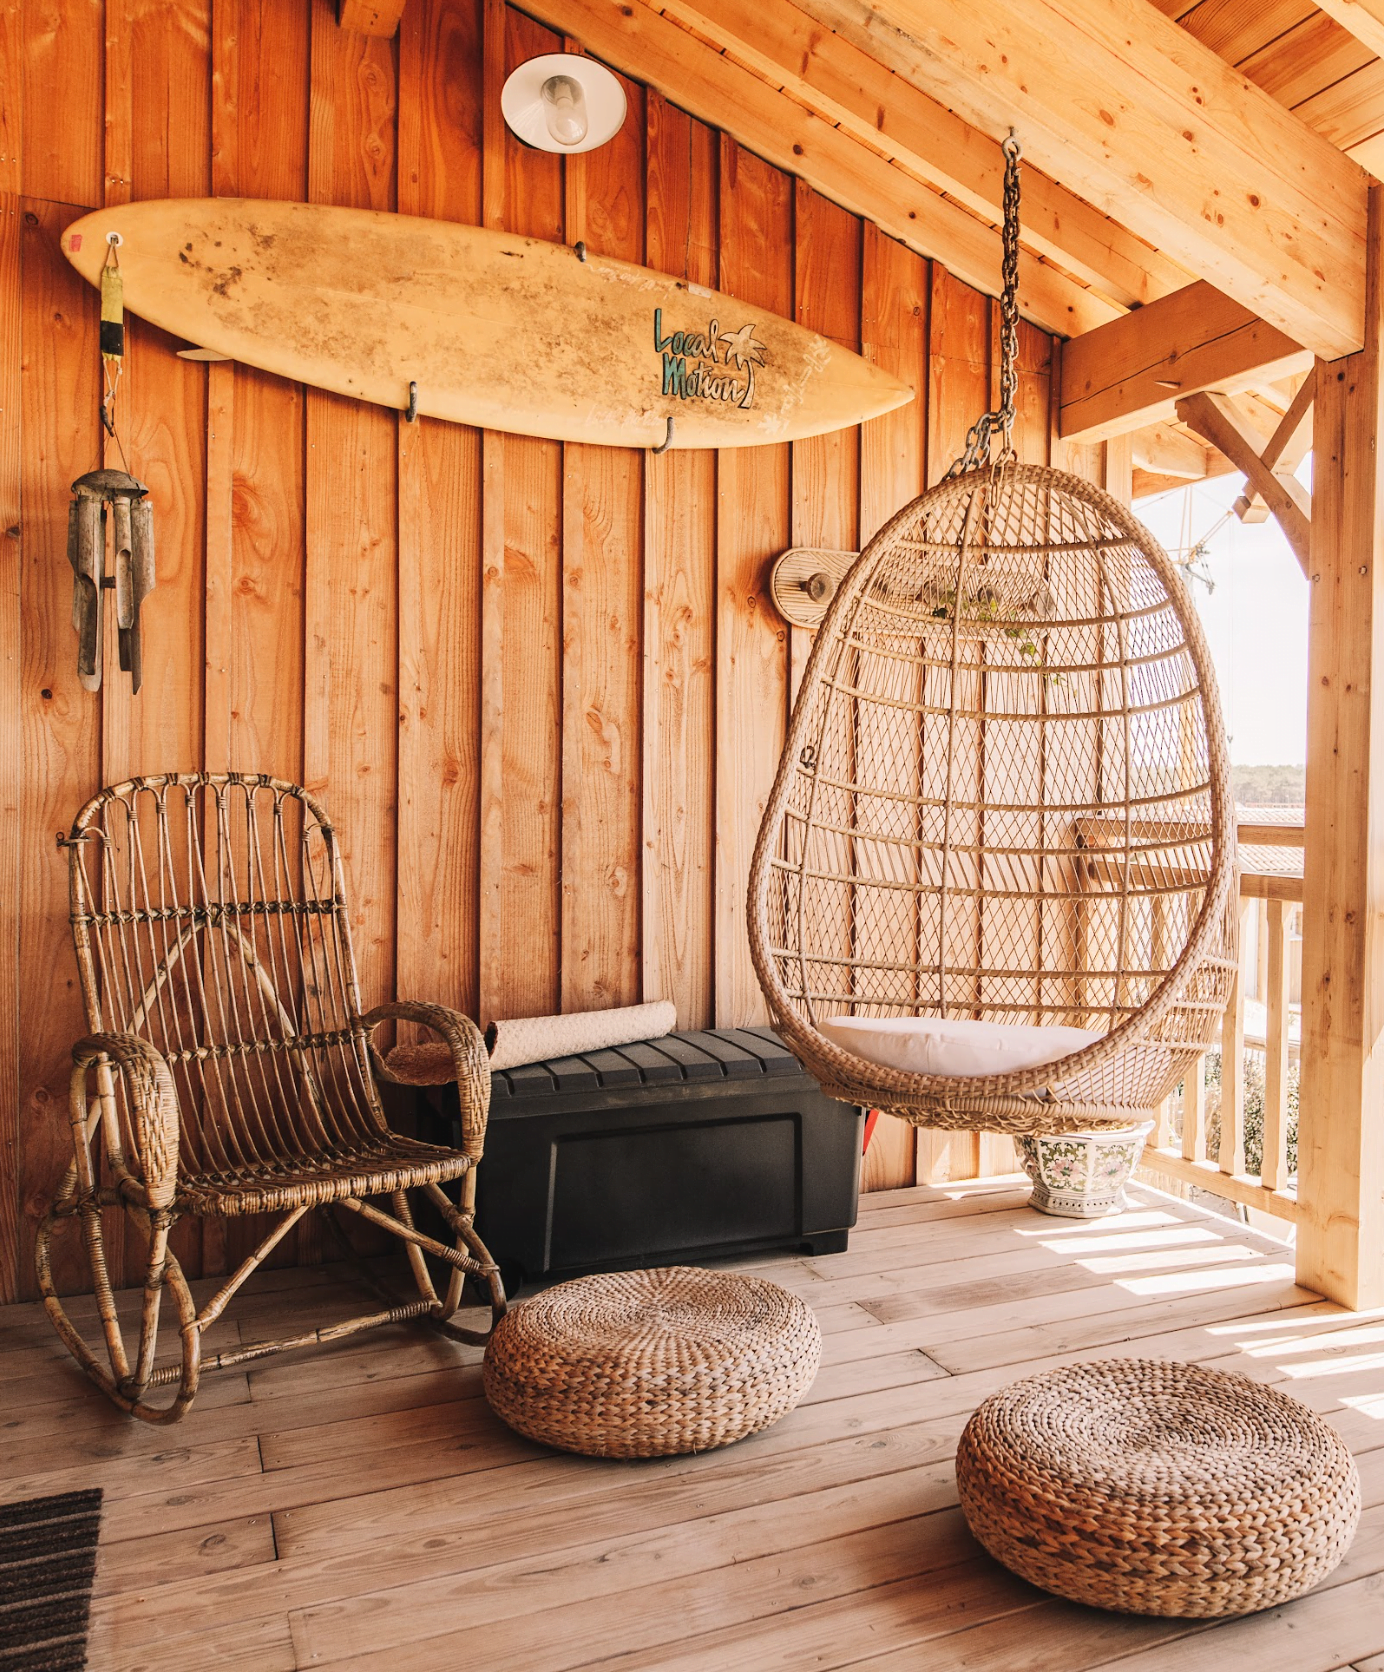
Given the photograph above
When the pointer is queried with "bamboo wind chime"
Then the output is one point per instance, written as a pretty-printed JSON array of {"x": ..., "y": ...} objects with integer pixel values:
[{"x": 110, "y": 499}]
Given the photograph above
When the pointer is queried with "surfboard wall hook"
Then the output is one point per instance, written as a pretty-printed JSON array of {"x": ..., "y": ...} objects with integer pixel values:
[
  {"x": 101, "y": 499},
  {"x": 580, "y": 248},
  {"x": 411, "y": 412},
  {"x": 667, "y": 441}
]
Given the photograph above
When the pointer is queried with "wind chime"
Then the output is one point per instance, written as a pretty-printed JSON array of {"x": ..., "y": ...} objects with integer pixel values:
[{"x": 110, "y": 500}]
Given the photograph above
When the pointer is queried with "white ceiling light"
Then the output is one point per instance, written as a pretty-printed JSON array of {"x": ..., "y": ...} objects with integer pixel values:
[{"x": 563, "y": 102}]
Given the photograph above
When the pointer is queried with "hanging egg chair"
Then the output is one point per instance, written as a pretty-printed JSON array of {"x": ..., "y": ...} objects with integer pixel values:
[{"x": 995, "y": 883}]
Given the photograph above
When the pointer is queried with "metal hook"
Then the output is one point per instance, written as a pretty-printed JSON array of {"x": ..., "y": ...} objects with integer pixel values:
[
  {"x": 411, "y": 414},
  {"x": 580, "y": 248},
  {"x": 667, "y": 441}
]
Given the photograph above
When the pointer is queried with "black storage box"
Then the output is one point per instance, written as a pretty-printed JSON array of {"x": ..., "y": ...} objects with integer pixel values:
[{"x": 691, "y": 1146}]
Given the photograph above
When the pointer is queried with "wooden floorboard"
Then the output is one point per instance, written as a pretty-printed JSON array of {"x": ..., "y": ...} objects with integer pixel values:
[{"x": 360, "y": 1507}]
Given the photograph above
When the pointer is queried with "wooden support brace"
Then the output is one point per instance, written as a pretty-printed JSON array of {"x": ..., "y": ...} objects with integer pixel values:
[
  {"x": 1214, "y": 418},
  {"x": 1289, "y": 444}
]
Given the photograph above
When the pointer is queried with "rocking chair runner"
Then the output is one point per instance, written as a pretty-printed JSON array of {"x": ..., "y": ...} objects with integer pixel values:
[
  {"x": 234, "y": 1071},
  {"x": 1005, "y": 797}
]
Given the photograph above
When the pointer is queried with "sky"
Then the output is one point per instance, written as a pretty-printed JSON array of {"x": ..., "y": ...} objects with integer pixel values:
[{"x": 1255, "y": 618}]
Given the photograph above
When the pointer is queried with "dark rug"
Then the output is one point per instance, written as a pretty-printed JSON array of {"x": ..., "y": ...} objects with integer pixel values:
[{"x": 47, "y": 1564}]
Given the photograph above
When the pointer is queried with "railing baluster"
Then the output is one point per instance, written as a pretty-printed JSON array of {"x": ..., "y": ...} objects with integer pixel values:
[
  {"x": 1232, "y": 1150},
  {"x": 1275, "y": 1168},
  {"x": 1194, "y": 1113}
]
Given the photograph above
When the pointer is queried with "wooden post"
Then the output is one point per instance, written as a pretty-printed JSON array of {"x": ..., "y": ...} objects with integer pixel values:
[{"x": 1340, "y": 1250}]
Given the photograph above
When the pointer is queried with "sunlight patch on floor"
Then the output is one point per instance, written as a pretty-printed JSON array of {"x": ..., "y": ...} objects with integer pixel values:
[
  {"x": 1192, "y": 1282},
  {"x": 1157, "y": 1259}
]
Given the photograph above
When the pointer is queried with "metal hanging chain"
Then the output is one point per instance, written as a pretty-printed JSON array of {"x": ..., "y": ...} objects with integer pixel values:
[{"x": 981, "y": 434}]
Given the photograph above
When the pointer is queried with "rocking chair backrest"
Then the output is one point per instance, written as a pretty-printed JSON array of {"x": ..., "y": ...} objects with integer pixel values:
[
  {"x": 1005, "y": 793},
  {"x": 209, "y": 917}
]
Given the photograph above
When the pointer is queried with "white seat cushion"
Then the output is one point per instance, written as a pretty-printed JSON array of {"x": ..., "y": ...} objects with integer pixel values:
[{"x": 953, "y": 1048}]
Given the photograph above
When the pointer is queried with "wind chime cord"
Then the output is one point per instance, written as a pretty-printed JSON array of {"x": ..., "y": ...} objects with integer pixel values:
[{"x": 981, "y": 434}]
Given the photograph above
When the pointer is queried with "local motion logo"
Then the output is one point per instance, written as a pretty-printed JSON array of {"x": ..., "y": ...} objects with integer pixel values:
[{"x": 710, "y": 365}]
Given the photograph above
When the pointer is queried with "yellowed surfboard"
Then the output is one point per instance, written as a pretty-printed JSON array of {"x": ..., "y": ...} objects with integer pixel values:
[{"x": 507, "y": 332}]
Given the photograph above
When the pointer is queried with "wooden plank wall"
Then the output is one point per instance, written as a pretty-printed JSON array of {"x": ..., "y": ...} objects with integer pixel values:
[{"x": 541, "y": 687}]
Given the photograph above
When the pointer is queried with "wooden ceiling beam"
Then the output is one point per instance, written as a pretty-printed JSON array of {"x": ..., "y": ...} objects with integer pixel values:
[
  {"x": 370, "y": 17},
  {"x": 1131, "y": 372},
  {"x": 1165, "y": 451},
  {"x": 1136, "y": 116},
  {"x": 835, "y": 79},
  {"x": 1363, "y": 18},
  {"x": 694, "y": 74}
]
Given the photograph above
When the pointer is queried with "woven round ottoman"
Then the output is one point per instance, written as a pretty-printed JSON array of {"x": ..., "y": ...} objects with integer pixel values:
[
  {"x": 651, "y": 1363},
  {"x": 1157, "y": 1488}
]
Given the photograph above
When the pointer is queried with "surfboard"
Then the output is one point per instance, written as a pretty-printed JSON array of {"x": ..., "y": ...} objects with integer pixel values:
[{"x": 506, "y": 332}]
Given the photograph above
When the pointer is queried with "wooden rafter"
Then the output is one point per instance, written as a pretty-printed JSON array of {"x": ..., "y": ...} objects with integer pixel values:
[
  {"x": 831, "y": 76},
  {"x": 696, "y": 75},
  {"x": 1363, "y": 18},
  {"x": 1140, "y": 119},
  {"x": 1215, "y": 418},
  {"x": 1164, "y": 451},
  {"x": 1130, "y": 373}
]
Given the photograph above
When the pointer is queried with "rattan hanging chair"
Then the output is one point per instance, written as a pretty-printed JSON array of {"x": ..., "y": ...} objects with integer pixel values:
[{"x": 1005, "y": 798}]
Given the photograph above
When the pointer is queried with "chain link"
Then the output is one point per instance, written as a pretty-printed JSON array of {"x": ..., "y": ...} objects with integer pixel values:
[{"x": 981, "y": 434}]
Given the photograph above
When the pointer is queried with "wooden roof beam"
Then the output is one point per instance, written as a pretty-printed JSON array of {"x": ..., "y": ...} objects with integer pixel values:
[
  {"x": 1363, "y": 18},
  {"x": 694, "y": 74},
  {"x": 1137, "y": 117},
  {"x": 835, "y": 79},
  {"x": 1130, "y": 373}
]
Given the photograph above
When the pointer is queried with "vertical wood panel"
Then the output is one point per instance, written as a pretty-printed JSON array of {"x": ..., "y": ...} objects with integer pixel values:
[
  {"x": 827, "y": 248},
  {"x": 350, "y": 710},
  {"x": 439, "y": 544},
  {"x": 61, "y": 721},
  {"x": 529, "y": 979},
  {"x": 753, "y": 521},
  {"x": 893, "y": 461},
  {"x": 679, "y": 610},
  {"x": 11, "y": 710},
  {"x": 62, "y": 92},
  {"x": 259, "y": 149},
  {"x": 12, "y": 57},
  {"x": 602, "y": 588}
]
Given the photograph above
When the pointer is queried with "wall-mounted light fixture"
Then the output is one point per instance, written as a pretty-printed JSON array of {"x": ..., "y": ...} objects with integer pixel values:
[{"x": 563, "y": 102}]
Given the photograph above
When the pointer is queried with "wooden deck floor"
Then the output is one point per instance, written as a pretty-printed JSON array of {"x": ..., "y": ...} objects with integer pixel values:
[{"x": 360, "y": 1507}]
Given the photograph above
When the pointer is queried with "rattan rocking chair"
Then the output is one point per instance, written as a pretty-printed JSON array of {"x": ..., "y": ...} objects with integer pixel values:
[
  {"x": 1005, "y": 797},
  {"x": 234, "y": 1072}
]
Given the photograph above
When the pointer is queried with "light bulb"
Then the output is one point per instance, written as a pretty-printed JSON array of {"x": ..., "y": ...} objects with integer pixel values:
[{"x": 564, "y": 106}]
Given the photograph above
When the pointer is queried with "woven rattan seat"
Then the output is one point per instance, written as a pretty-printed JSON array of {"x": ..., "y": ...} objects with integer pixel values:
[
  {"x": 651, "y": 1363},
  {"x": 396, "y": 1163},
  {"x": 1158, "y": 1488}
]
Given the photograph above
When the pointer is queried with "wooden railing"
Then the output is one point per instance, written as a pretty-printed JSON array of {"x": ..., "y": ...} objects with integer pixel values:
[{"x": 1270, "y": 911}]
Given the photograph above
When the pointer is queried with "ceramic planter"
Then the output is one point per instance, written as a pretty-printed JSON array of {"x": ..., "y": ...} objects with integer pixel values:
[{"x": 1082, "y": 1175}]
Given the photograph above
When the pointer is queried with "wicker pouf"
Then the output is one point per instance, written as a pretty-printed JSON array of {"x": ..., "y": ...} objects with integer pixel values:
[
  {"x": 651, "y": 1363},
  {"x": 1158, "y": 1488}
]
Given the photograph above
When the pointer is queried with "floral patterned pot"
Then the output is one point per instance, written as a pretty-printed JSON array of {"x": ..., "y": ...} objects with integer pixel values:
[{"x": 1082, "y": 1175}]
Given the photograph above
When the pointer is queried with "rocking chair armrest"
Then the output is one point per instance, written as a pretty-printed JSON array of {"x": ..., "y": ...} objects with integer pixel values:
[
  {"x": 153, "y": 1100},
  {"x": 469, "y": 1057}
]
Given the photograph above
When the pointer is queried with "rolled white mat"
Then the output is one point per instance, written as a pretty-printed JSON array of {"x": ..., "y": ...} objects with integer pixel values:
[{"x": 541, "y": 1038}]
